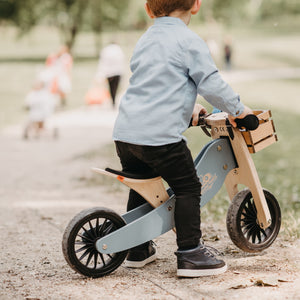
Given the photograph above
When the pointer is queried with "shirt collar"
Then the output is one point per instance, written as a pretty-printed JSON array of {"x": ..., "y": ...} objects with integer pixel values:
[{"x": 169, "y": 20}]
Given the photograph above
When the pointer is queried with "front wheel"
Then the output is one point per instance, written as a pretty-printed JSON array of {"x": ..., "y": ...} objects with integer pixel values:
[
  {"x": 242, "y": 223},
  {"x": 80, "y": 237}
]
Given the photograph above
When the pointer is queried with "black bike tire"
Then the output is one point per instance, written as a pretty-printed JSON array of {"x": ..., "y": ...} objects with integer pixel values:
[
  {"x": 234, "y": 222},
  {"x": 71, "y": 231}
]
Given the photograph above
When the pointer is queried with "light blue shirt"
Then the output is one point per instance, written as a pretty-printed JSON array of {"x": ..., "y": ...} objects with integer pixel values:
[{"x": 170, "y": 65}]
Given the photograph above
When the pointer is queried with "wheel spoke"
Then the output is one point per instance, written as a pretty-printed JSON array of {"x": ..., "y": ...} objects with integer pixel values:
[
  {"x": 86, "y": 238},
  {"x": 259, "y": 236},
  {"x": 83, "y": 248},
  {"x": 102, "y": 258},
  {"x": 84, "y": 254},
  {"x": 108, "y": 229},
  {"x": 248, "y": 226},
  {"x": 249, "y": 210},
  {"x": 102, "y": 227},
  {"x": 83, "y": 243},
  {"x": 249, "y": 220},
  {"x": 88, "y": 233},
  {"x": 95, "y": 259},
  {"x": 89, "y": 259},
  {"x": 92, "y": 230},
  {"x": 97, "y": 227},
  {"x": 250, "y": 232}
]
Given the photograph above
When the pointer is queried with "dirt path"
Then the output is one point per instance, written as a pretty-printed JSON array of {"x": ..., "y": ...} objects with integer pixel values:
[{"x": 40, "y": 191}]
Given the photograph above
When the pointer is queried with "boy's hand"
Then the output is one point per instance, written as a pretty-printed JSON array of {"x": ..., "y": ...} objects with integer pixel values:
[
  {"x": 198, "y": 109},
  {"x": 247, "y": 111}
]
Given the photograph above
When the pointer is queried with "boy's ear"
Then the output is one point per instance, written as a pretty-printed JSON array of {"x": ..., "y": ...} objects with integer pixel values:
[
  {"x": 196, "y": 7},
  {"x": 149, "y": 11}
]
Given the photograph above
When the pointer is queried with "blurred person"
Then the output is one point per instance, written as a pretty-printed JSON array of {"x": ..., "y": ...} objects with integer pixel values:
[
  {"x": 227, "y": 53},
  {"x": 41, "y": 104},
  {"x": 170, "y": 66},
  {"x": 60, "y": 65},
  {"x": 111, "y": 67}
]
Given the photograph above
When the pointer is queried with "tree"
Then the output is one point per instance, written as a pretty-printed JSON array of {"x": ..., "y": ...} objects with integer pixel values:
[
  {"x": 73, "y": 16},
  {"x": 105, "y": 14},
  {"x": 20, "y": 13},
  {"x": 7, "y": 9},
  {"x": 69, "y": 16}
]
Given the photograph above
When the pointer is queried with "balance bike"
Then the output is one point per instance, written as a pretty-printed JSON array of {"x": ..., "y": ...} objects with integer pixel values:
[{"x": 96, "y": 241}]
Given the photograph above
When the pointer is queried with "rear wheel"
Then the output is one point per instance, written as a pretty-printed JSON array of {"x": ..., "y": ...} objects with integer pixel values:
[
  {"x": 80, "y": 237},
  {"x": 242, "y": 223}
]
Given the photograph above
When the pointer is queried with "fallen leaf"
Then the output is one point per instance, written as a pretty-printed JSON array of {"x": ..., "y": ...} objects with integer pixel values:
[
  {"x": 283, "y": 280},
  {"x": 265, "y": 282},
  {"x": 237, "y": 287}
]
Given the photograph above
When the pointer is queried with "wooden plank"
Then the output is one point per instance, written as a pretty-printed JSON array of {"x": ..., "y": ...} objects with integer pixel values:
[
  {"x": 246, "y": 174},
  {"x": 247, "y": 137},
  {"x": 265, "y": 143},
  {"x": 264, "y": 130},
  {"x": 151, "y": 189},
  {"x": 263, "y": 114}
]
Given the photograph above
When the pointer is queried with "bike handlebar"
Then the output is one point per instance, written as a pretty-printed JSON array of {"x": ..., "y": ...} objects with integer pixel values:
[{"x": 250, "y": 122}]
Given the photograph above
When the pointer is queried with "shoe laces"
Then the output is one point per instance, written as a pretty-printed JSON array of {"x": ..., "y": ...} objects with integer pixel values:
[{"x": 209, "y": 250}]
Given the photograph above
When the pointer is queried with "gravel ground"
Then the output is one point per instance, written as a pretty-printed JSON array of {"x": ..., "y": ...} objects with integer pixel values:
[{"x": 41, "y": 191}]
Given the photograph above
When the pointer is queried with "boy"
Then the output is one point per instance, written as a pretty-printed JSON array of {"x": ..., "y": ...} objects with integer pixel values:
[{"x": 170, "y": 65}]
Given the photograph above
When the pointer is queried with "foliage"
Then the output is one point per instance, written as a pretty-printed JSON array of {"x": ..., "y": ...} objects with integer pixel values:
[
  {"x": 231, "y": 11},
  {"x": 7, "y": 9},
  {"x": 70, "y": 16},
  {"x": 277, "y": 7},
  {"x": 20, "y": 13}
]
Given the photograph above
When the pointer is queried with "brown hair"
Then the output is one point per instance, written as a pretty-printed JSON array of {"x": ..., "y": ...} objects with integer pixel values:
[{"x": 162, "y": 8}]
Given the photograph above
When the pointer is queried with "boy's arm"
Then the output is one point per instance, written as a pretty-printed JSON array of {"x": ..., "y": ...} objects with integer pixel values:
[{"x": 210, "y": 85}]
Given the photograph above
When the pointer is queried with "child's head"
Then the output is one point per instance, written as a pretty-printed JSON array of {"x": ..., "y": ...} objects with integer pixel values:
[{"x": 161, "y": 8}]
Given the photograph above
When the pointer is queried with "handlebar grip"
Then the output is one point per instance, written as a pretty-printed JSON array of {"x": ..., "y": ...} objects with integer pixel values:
[
  {"x": 200, "y": 120},
  {"x": 250, "y": 122}
]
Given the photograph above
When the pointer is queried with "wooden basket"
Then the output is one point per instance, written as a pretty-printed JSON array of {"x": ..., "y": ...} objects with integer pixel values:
[{"x": 264, "y": 135}]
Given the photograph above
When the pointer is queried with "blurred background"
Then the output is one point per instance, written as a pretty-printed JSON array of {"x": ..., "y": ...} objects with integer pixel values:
[
  {"x": 261, "y": 34},
  {"x": 255, "y": 44}
]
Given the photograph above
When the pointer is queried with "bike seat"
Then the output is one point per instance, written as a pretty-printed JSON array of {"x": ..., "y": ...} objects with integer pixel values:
[{"x": 132, "y": 175}]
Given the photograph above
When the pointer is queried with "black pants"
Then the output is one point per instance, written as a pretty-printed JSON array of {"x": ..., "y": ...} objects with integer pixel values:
[
  {"x": 113, "y": 87},
  {"x": 175, "y": 164}
]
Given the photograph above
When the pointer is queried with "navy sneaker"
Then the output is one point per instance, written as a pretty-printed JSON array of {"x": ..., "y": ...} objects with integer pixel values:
[
  {"x": 141, "y": 255},
  {"x": 199, "y": 261}
]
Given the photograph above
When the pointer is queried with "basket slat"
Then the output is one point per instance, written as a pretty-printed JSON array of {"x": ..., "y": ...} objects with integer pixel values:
[
  {"x": 263, "y": 144},
  {"x": 264, "y": 135}
]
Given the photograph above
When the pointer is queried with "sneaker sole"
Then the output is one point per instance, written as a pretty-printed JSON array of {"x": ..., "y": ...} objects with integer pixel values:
[
  {"x": 201, "y": 272},
  {"x": 139, "y": 264}
]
